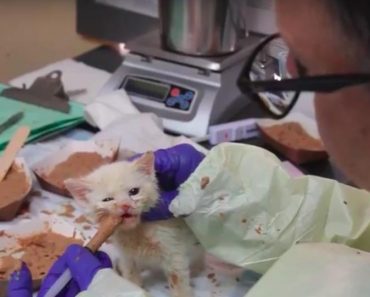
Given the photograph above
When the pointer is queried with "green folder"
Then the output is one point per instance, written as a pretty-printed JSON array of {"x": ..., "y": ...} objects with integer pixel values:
[{"x": 42, "y": 122}]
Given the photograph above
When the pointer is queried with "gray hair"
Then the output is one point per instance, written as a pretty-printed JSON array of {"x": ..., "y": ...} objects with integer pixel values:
[{"x": 354, "y": 18}]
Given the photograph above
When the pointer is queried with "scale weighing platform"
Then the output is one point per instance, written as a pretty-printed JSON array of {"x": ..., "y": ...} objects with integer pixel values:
[{"x": 189, "y": 93}]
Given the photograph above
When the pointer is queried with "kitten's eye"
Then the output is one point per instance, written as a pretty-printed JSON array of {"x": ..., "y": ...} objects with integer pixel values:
[
  {"x": 108, "y": 199},
  {"x": 134, "y": 191}
]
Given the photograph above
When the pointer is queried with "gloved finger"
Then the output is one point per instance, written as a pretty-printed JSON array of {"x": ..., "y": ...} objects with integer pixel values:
[
  {"x": 156, "y": 214},
  {"x": 104, "y": 259},
  {"x": 73, "y": 288},
  {"x": 161, "y": 210},
  {"x": 162, "y": 166},
  {"x": 20, "y": 283},
  {"x": 174, "y": 165},
  {"x": 56, "y": 270},
  {"x": 83, "y": 265}
]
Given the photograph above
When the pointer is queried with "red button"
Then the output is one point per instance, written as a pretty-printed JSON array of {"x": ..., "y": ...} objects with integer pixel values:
[{"x": 175, "y": 92}]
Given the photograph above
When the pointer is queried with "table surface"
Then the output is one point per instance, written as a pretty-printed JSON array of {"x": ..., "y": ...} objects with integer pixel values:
[{"x": 106, "y": 58}]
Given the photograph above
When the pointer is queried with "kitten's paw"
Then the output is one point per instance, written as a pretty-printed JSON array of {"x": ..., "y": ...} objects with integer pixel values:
[{"x": 180, "y": 285}]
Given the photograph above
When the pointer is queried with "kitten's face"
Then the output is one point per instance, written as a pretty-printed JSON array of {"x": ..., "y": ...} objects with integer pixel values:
[{"x": 124, "y": 189}]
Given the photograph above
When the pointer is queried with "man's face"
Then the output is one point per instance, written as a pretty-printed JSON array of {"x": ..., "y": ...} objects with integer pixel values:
[{"x": 318, "y": 43}]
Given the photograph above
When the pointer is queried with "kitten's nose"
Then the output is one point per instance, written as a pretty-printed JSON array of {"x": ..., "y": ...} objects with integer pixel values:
[{"x": 125, "y": 207}]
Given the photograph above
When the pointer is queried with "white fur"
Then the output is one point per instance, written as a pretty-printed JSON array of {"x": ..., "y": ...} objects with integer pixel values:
[{"x": 165, "y": 244}]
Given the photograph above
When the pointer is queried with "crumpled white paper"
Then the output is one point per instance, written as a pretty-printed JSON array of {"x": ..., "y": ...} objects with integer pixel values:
[
  {"x": 141, "y": 133},
  {"x": 107, "y": 283},
  {"x": 317, "y": 270},
  {"x": 117, "y": 117},
  {"x": 107, "y": 109}
]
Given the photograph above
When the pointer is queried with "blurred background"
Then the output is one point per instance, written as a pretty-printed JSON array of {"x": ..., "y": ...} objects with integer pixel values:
[{"x": 37, "y": 32}]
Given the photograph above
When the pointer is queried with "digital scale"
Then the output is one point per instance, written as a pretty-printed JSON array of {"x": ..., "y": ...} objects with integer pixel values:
[{"x": 188, "y": 93}]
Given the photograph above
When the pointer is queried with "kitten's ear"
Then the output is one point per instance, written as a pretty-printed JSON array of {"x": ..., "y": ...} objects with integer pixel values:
[
  {"x": 146, "y": 163},
  {"x": 79, "y": 188}
]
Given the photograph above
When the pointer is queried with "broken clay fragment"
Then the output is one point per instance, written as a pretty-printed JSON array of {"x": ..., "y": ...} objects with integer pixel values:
[
  {"x": 77, "y": 159},
  {"x": 14, "y": 189}
]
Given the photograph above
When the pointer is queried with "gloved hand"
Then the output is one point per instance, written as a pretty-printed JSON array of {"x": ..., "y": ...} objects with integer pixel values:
[
  {"x": 83, "y": 265},
  {"x": 173, "y": 167},
  {"x": 20, "y": 283}
]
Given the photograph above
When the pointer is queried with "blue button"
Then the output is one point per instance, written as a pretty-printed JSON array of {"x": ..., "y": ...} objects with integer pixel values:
[
  {"x": 189, "y": 95},
  {"x": 184, "y": 105},
  {"x": 180, "y": 102},
  {"x": 171, "y": 101}
]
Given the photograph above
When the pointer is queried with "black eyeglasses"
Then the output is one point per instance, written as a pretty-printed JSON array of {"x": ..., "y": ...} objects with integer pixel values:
[{"x": 265, "y": 77}]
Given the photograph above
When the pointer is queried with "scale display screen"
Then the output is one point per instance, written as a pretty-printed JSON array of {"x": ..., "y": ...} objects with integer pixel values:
[
  {"x": 166, "y": 95},
  {"x": 147, "y": 88}
]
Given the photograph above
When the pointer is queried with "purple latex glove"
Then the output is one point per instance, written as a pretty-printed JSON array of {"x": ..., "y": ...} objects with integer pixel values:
[
  {"x": 83, "y": 265},
  {"x": 161, "y": 210},
  {"x": 20, "y": 283},
  {"x": 173, "y": 167}
]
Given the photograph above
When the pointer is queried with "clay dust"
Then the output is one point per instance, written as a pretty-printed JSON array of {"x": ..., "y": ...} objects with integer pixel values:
[{"x": 40, "y": 252}]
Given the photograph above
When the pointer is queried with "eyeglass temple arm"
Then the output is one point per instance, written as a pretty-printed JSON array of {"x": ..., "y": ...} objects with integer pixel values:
[{"x": 325, "y": 84}]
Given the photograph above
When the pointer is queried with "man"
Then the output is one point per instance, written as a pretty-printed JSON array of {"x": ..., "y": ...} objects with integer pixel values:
[
  {"x": 325, "y": 37},
  {"x": 333, "y": 37}
]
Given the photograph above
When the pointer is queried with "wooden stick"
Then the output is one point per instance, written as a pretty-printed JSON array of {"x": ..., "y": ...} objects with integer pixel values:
[
  {"x": 11, "y": 150},
  {"x": 108, "y": 225}
]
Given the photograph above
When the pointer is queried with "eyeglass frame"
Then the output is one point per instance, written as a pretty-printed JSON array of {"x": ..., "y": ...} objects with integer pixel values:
[{"x": 318, "y": 83}]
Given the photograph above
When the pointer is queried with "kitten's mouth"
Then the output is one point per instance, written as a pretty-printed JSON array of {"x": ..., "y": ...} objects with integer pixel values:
[
  {"x": 129, "y": 221},
  {"x": 128, "y": 216}
]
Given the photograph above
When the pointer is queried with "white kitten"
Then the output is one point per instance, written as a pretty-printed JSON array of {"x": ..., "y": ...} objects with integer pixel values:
[{"x": 127, "y": 190}]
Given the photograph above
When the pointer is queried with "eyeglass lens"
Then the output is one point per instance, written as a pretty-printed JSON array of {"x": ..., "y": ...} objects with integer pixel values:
[{"x": 271, "y": 64}]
